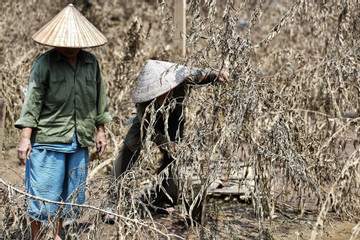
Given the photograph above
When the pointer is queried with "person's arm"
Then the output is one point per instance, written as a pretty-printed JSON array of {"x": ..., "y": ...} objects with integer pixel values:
[
  {"x": 24, "y": 148},
  {"x": 200, "y": 76},
  {"x": 34, "y": 98},
  {"x": 103, "y": 116},
  {"x": 31, "y": 109}
]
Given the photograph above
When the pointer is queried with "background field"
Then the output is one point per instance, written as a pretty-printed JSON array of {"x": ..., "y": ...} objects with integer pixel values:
[{"x": 288, "y": 122}]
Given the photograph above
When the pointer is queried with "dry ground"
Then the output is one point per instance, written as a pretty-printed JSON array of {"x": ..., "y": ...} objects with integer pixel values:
[{"x": 226, "y": 217}]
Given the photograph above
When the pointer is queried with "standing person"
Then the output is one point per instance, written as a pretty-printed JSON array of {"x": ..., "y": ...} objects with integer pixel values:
[
  {"x": 160, "y": 85},
  {"x": 64, "y": 104}
]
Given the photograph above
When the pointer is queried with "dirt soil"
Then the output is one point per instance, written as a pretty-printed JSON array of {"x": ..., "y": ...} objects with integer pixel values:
[{"x": 227, "y": 217}]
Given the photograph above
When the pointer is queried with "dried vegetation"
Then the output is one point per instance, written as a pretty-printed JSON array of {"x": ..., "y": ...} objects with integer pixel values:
[{"x": 290, "y": 115}]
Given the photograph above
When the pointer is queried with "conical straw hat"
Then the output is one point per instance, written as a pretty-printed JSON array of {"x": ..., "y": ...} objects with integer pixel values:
[
  {"x": 157, "y": 78},
  {"x": 69, "y": 28}
]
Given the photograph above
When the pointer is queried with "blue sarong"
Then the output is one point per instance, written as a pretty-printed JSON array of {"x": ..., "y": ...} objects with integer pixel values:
[{"x": 56, "y": 172}]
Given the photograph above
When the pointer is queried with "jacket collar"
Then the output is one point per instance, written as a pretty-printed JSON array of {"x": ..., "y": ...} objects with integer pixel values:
[{"x": 81, "y": 57}]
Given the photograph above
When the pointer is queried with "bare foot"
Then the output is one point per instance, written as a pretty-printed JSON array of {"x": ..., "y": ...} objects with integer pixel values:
[{"x": 170, "y": 209}]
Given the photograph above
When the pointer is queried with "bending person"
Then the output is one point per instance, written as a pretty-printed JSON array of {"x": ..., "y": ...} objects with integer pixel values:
[{"x": 160, "y": 84}]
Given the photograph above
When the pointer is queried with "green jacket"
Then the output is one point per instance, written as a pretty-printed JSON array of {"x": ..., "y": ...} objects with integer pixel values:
[{"x": 61, "y": 100}]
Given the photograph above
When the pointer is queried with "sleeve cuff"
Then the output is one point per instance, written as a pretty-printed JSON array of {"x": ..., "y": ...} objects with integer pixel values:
[
  {"x": 22, "y": 123},
  {"x": 103, "y": 118}
]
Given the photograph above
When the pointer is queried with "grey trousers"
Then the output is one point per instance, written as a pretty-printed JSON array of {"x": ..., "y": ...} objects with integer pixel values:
[{"x": 128, "y": 156}]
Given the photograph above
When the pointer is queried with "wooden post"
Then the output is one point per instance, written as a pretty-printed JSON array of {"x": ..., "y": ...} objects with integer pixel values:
[
  {"x": 180, "y": 30},
  {"x": 2, "y": 117}
]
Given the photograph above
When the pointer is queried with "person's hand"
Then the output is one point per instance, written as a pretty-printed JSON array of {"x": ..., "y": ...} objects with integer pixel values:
[
  {"x": 172, "y": 147},
  {"x": 100, "y": 140},
  {"x": 24, "y": 148},
  {"x": 223, "y": 76}
]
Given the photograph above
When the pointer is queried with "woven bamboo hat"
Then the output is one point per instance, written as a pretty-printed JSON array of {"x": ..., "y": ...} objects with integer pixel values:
[
  {"x": 157, "y": 78},
  {"x": 69, "y": 28}
]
